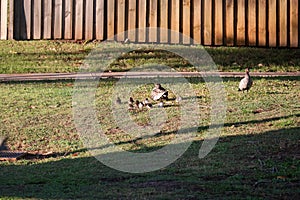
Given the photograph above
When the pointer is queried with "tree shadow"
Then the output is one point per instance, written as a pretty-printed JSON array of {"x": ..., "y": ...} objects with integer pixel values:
[
  {"x": 243, "y": 165},
  {"x": 253, "y": 162}
]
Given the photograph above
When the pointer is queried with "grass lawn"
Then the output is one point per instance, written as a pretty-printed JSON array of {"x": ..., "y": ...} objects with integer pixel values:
[
  {"x": 256, "y": 157},
  {"x": 57, "y": 56}
]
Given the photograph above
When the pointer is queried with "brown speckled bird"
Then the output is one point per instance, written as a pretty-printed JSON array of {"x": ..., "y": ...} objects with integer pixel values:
[
  {"x": 159, "y": 92},
  {"x": 246, "y": 82}
]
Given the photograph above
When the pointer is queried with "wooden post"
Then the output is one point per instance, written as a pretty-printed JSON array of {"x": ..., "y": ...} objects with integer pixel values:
[
  {"x": 142, "y": 20},
  {"x": 164, "y": 19},
  {"x": 68, "y": 17},
  {"x": 47, "y": 19},
  {"x": 175, "y": 21},
  {"x": 11, "y": 20},
  {"x": 272, "y": 23},
  {"x": 89, "y": 19},
  {"x": 79, "y": 20},
  {"x": 262, "y": 32},
  {"x": 121, "y": 20},
  {"x": 252, "y": 23},
  {"x": 37, "y": 17},
  {"x": 294, "y": 23},
  {"x": 197, "y": 22},
  {"x": 186, "y": 19},
  {"x": 229, "y": 22},
  {"x": 132, "y": 20},
  {"x": 110, "y": 19},
  {"x": 283, "y": 23},
  {"x": 3, "y": 21},
  {"x": 241, "y": 22},
  {"x": 153, "y": 21},
  {"x": 218, "y": 22},
  {"x": 26, "y": 21},
  {"x": 207, "y": 22},
  {"x": 100, "y": 19},
  {"x": 58, "y": 19}
]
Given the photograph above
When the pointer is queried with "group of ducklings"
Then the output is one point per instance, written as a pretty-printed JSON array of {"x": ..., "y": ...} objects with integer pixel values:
[
  {"x": 136, "y": 104},
  {"x": 157, "y": 94}
]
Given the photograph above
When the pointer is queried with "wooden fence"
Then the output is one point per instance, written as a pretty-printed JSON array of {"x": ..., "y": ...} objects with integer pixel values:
[{"x": 270, "y": 23}]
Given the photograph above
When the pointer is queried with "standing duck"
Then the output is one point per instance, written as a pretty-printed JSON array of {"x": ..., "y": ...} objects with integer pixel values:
[
  {"x": 159, "y": 92},
  {"x": 246, "y": 82}
]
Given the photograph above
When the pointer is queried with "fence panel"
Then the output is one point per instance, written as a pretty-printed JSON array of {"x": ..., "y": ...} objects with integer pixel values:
[{"x": 270, "y": 23}]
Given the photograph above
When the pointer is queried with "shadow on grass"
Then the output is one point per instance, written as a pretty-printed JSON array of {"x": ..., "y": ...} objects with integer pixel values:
[{"x": 265, "y": 165}]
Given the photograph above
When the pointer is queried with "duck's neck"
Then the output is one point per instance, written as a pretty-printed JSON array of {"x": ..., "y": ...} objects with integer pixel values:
[{"x": 247, "y": 75}]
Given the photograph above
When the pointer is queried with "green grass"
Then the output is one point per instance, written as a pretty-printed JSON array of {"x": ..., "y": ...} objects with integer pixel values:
[
  {"x": 257, "y": 156},
  {"x": 59, "y": 56}
]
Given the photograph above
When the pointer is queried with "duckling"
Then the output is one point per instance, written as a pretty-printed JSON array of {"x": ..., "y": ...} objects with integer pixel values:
[
  {"x": 131, "y": 101},
  {"x": 178, "y": 99},
  {"x": 146, "y": 102},
  {"x": 137, "y": 102},
  {"x": 2, "y": 143},
  {"x": 118, "y": 100},
  {"x": 149, "y": 105},
  {"x": 141, "y": 105},
  {"x": 130, "y": 107},
  {"x": 161, "y": 104}
]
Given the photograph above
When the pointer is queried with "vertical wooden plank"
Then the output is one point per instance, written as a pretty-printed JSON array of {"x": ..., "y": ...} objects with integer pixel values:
[
  {"x": 207, "y": 22},
  {"x": 262, "y": 22},
  {"x": 47, "y": 19},
  {"x": 252, "y": 22},
  {"x": 110, "y": 19},
  {"x": 153, "y": 21},
  {"x": 186, "y": 21},
  {"x": 241, "y": 22},
  {"x": 37, "y": 17},
  {"x": 175, "y": 21},
  {"x": 142, "y": 20},
  {"x": 294, "y": 23},
  {"x": 57, "y": 29},
  {"x": 89, "y": 19},
  {"x": 79, "y": 20},
  {"x": 26, "y": 22},
  {"x": 197, "y": 21},
  {"x": 283, "y": 23},
  {"x": 11, "y": 20},
  {"x": 68, "y": 14},
  {"x": 218, "y": 22},
  {"x": 164, "y": 21},
  {"x": 272, "y": 23},
  {"x": 132, "y": 20},
  {"x": 100, "y": 19},
  {"x": 121, "y": 20},
  {"x": 229, "y": 22},
  {"x": 3, "y": 21}
]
